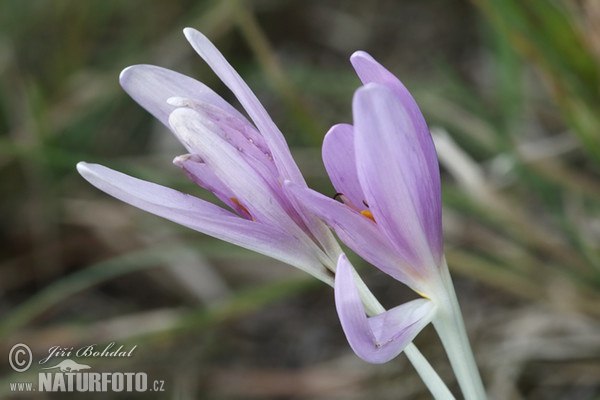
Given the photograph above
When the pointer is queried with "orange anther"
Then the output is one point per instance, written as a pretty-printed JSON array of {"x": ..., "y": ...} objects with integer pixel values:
[
  {"x": 368, "y": 214},
  {"x": 237, "y": 203}
]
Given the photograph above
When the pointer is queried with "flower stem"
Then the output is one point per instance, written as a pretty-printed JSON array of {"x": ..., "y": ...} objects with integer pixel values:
[
  {"x": 450, "y": 327},
  {"x": 432, "y": 380},
  {"x": 428, "y": 374}
]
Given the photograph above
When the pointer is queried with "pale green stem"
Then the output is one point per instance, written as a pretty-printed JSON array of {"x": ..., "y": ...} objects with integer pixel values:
[
  {"x": 432, "y": 380},
  {"x": 450, "y": 327},
  {"x": 430, "y": 377}
]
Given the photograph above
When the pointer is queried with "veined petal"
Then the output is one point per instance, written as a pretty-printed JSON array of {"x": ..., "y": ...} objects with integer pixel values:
[
  {"x": 236, "y": 129},
  {"x": 360, "y": 234},
  {"x": 340, "y": 163},
  {"x": 261, "y": 197},
  {"x": 152, "y": 86},
  {"x": 205, "y": 217},
  {"x": 381, "y": 338},
  {"x": 370, "y": 71},
  {"x": 273, "y": 137},
  {"x": 203, "y": 176},
  {"x": 235, "y": 171},
  {"x": 402, "y": 189}
]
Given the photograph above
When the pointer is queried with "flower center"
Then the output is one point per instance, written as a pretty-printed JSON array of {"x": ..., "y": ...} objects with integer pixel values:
[
  {"x": 241, "y": 207},
  {"x": 366, "y": 212}
]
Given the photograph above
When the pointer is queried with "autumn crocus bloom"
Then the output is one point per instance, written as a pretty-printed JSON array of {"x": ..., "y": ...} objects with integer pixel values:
[
  {"x": 244, "y": 164},
  {"x": 385, "y": 170}
]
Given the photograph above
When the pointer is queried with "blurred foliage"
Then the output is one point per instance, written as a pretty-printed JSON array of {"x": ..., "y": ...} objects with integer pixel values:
[
  {"x": 511, "y": 90},
  {"x": 559, "y": 40}
]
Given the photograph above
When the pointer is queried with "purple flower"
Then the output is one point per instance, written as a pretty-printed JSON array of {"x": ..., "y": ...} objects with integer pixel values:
[
  {"x": 385, "y": 170},
  {"x": 244, "y": 164}
]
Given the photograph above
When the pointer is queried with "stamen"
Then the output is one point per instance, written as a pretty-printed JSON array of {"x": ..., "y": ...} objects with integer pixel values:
[
  {"x": 368, "y": 214},
  {"x": 346, "y": 201},
  {"x": 237, "y": 203}
]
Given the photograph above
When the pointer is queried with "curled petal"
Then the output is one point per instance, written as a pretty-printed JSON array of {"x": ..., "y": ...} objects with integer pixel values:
[
  {"x": 340, "y": 163},
  {"x": 205, "y": 217},
  {"x": 273, "y": 137},
  {"x": 401, "y": 186},
  {"x": 152, "y": 86},
  {"x": 381, "y": 338}
]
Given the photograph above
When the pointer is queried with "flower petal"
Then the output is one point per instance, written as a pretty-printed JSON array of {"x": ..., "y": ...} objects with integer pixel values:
[
  {"x": 401, "y": 187},
  {"x": 381, "y": 338},
  {"x": 360, "y": 234},
  {"x": 273, "y": 137},
  {"x": 370, "y": 71},
  {"x": 236, "y": 129},
  {"x": 260, "y": 193},
  {"x": 340, "y": 163},
  {"x": 205, "y": 217},
  {"x": 203, "y": 176},
  {"x": 152, "y": 86}
]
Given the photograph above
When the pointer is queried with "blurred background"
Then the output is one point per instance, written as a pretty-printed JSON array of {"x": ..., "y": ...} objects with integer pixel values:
[{"x": 510, "y": 89}]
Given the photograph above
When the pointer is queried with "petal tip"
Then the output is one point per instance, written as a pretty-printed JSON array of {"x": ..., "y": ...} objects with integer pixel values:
[
  {"x": 124, "y": 75},
  {"x": 359, "y": 58},
  {"x": 360, "y": 54},
  {"x": 194, "y": 36},
  {"x": 189, "y": 31},
  {"x": 371, "y": 90},
  {"x": 82, "y": 167},
  {"x": 129, "y": 74}
]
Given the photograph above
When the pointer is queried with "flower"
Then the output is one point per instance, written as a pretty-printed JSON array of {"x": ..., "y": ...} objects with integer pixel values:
[
  {"x": 243, "y": 164},
  {"x": 385, "y": 170}
]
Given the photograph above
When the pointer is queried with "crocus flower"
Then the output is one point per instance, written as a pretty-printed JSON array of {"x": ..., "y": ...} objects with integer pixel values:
[
  {"x": 385, "y": 170},
  {"x": 244, "y": 164}
]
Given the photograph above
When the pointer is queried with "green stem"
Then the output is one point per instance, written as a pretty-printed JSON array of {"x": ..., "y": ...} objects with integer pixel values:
[
  {"x": 432, "y": 380},
  {"x": 450, "y": 327},
  {"x": 428, "y": 374}
]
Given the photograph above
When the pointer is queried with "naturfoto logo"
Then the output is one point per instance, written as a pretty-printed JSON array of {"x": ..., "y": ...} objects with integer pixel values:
[
  {"x": 69, "y": 366},
  {"x": 68, "y": 375}
]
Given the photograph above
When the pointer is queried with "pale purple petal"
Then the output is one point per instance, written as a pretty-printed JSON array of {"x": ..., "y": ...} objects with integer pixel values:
[
  {"x": 370, "y": 71},
  {"x": 203, "y": 176},
  {"x": 381, "y": 338},
  {"x": 262, "y": 197},
  {"x": 401, "y": 188},
  {"x": 152, "y": 86},
  {"x": 204, "y": 217},
  {"x": 161, "y": 91},
  {"x": 340, "y": 163},
  {"x": 273, "y": 137},
  {"x": 360, "y": 234},
  {"x": 236, "y": 129},
  {"x": 247, "y": 174}
]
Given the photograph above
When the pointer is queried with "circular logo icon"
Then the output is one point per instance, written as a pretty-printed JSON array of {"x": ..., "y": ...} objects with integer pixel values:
[{"x": 20, "y": 357}]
